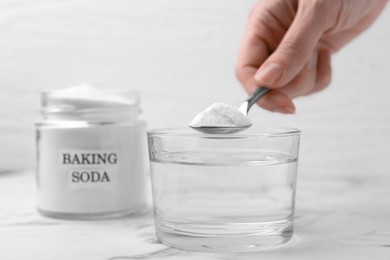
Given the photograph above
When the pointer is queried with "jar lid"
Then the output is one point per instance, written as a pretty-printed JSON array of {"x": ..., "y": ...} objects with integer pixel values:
[{"x": 86, "y": 102}]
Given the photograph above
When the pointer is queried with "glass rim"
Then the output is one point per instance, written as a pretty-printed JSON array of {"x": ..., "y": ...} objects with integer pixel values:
[{"x": 250, "y": 133}]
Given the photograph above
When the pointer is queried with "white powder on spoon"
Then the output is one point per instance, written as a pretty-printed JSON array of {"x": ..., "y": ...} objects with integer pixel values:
[{"x": 220, "y": 115}]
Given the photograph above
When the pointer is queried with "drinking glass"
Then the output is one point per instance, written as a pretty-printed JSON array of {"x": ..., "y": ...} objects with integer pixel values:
[{"x": 224, "y": 193}]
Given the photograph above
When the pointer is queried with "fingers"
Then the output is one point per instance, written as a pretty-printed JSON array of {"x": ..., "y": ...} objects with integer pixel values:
[
  {"x": 324, "y": 71},
  {"x": 295, "y": 49},
  {"x": 253, "y": 52},
  {"x": 304, "y": 82},
  {"x": 254, "y": 48},
  {"x": 292, "y": 69},
  {"x": 277, "y": 101},
  {"x": 314, "y": 77}
]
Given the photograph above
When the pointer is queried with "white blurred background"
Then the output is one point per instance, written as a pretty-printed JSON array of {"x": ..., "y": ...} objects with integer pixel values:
[{"x": 180, "y": 54}]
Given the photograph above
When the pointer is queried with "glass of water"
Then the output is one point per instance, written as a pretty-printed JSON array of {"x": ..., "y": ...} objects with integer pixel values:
[{"x": 224, "y": 193}]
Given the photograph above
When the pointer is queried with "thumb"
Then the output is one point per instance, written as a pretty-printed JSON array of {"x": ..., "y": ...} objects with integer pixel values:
[{"x": 295, "y": 49}]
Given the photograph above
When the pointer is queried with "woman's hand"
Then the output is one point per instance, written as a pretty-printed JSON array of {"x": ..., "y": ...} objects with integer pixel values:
[{"x": 287, "y": 45}]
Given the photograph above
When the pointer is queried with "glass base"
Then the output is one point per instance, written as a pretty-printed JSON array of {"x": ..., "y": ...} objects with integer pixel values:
[
  {"x": 226, "y": 238},
  {"x": 91, "y": 216}
]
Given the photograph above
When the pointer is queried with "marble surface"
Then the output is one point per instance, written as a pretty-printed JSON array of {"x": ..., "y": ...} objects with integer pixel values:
[{"x": 336, "y": 218}]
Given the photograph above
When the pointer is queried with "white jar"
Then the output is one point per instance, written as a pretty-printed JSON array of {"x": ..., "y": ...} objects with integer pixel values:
[{"x": 91, "y": 154}]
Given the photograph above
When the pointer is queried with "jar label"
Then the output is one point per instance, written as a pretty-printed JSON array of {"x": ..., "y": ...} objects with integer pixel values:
[{"x": 90, "y": 168}]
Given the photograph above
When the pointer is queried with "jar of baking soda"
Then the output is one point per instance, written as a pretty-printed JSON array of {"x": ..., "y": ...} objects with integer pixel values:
[{"x": 91, "y": 154}]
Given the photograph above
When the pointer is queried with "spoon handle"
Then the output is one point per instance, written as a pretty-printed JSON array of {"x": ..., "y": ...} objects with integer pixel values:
[{"x": 259, "y": 92}]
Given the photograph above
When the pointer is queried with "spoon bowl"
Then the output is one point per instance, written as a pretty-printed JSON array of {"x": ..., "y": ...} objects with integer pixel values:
[
  {"x": 220, "y": 130},
  {"x": 244, "y": 109}
]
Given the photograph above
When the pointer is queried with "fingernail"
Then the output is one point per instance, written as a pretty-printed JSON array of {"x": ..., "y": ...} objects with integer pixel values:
[
  {"x": 269, "y": 74},
  {"x": 284, "y": 110}
]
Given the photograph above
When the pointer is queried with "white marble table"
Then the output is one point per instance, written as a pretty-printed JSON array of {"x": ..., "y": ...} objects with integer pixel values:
[{"x": 337, "y": 218}]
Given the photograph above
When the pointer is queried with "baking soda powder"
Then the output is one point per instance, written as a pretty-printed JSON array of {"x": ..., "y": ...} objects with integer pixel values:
[
  {"x": 220, "y": 115},
  {"x": 91, "y": 154}
]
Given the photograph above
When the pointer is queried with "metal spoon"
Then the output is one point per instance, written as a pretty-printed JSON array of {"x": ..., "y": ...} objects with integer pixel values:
[{"x": 244, "y": 109}]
